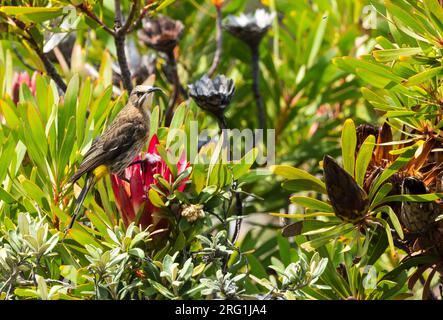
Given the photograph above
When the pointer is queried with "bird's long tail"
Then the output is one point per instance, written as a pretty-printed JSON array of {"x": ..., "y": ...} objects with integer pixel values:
[{"x": 90, "y": 179}]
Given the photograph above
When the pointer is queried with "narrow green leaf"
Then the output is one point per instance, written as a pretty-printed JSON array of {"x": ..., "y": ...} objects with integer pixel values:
[
  {"x": 423, "y": 76},
  {"x": 348, "y": 145},
  {"x": 399, "y": 163},
  {"x": 312, "y": 203},
  {"x": 363, "y": 158},
  {"x": 299, "y": 177},
  {"x": 393, "y": 217}
]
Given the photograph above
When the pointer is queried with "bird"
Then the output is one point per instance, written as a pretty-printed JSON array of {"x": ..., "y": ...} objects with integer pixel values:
[{"x": 115, "y": 149}]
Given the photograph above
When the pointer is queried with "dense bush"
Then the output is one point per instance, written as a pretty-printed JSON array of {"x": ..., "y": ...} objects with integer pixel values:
[{"x": 350, "y": 209}]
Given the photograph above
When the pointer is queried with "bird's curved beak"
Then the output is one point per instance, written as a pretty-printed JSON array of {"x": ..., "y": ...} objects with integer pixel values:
[{"x": 149, "y": 89}]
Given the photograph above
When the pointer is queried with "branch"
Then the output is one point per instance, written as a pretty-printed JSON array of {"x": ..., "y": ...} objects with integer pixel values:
[
  {"x": 131, "y": 16},
  {"x": 50, "y": 69},
  {"x": 140, "y": 17},
  {"x": 20, "y": 57},
  {"x": 83, "y": 8},
  {"x": 219, "y": 39},
  {"x": 256, "y": 86},
  {"x": 239, "y": 209},
  {"x": 119, "y": 39},
  {"x": 176, "y": 89}
]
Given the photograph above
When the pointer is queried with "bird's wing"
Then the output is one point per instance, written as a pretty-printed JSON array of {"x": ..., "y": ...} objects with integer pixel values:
[
  {"x": 122, "y": 138},
  {"x": 109, "y": 145}
]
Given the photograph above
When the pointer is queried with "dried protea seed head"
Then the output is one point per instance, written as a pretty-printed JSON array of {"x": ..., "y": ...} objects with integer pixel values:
[
  {"x": 349, "y": 200},
  {"x": 249, "y": 28},
  {"x": 161, "y": 34},
  {"x": 192, "y": 212},
  {"x": 417, "y": 217},
  {"x": 364, "y": 131},
  {"x": 212, "y": 95}
]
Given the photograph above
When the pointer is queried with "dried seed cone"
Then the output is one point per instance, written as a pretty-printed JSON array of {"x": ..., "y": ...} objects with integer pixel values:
[
  {"x": 161, "y": 34},
  {"x": 417, "y": 217},
  {"x": 349, "y": 200}
]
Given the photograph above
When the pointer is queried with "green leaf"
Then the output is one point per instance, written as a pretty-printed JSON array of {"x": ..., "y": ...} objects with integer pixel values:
[
  {"x": 155, "y": 199},
  {"x": 327, "y": 236},
  {"x": 394, "y": 54},
  {"x": 179, "y": 117},
  {"x": 244, "y": 164},
  {"x": 299, "y": 177},
  {"x": 363, "y": 158},
  {"x": 393, "y": 217},
  {"x": 312, "y": 203},
  {"x": 413, "y": 197},
  {"x": 32, "y": 14},
  {"x": 6, "y": 196},
  {"x": 423, "y": 76},
  {"x": 161, "y": 289},
  {"x": 318, "y": 39},
  {"x": 381, "y": 194},
  {"x": 399, "y": 163},
  {"x": 348, "y": 145},
  {"x": 155, "y": 118},
  {"x": 164, "y": 4}
]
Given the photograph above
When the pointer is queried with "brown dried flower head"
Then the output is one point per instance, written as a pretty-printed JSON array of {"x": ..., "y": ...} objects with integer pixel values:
[{"x": 161, "y": 34}]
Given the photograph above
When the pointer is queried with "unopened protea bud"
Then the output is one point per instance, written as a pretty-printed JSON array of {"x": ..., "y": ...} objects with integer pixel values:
[
  {"x": 192, "y": 212},
  {"x": 417, "y": 217},
  {"x": 349, "y": 200}
]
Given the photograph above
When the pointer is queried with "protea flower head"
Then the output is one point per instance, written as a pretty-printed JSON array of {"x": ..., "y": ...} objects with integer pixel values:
[
  {"x": 250, "y": 27},
  {"x": 132, "y": 198},
  {"x": 349, "y": 200},
  {"x": 20, "y": 78},
  {"x": 161, "y": 34},
  {"x": 213, "y": 95}
]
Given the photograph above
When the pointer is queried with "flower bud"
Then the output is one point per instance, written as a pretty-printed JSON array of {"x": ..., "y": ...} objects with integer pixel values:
[
  {"x": 192, "y": 212},
  {"x": 349, "y": 200}
]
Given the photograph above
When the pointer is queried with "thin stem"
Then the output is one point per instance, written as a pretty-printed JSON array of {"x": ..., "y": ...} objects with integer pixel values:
[
  {"x": 175, "y": 90},
  {"x": 140, "y": 17},
  {"x": 50, "y": 69},
  {"x": 238, "y": 200},
  {"x": 256, "y": 86},
  {"x": 20, "y": 57},
  {"x": 119, "y": 39},
  {"x": 219, "y": 39},
  {"x": 131, "y": 16},
  {"x": 239, "y": 209},
  {"x": 84, "y": 8}
]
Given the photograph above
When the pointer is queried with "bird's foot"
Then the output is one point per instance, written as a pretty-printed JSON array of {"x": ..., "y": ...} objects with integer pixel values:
[{"x": 123, "y": 177}]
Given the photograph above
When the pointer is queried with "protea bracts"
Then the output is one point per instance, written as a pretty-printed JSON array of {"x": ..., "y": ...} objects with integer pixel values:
[{"x": 132, "y": 197}]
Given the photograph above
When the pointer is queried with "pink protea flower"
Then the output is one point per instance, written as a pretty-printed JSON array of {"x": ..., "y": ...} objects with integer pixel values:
[
  {"x": 18, "y": 79},
  {"x": 130, "y": 197}
]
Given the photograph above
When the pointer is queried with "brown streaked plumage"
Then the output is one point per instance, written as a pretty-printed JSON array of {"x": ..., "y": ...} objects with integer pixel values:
[{"x": 115, "y": 149}]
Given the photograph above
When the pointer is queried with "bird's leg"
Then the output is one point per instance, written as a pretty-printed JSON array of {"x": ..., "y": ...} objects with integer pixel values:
[
  {"x": 123, "y": 177},
  {"x": 136, "y": 162}
]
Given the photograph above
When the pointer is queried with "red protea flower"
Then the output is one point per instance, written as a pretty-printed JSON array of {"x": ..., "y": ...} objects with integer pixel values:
[
  {"x": 18, "y": 79},
  {"x": 133, "y": 196}
]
